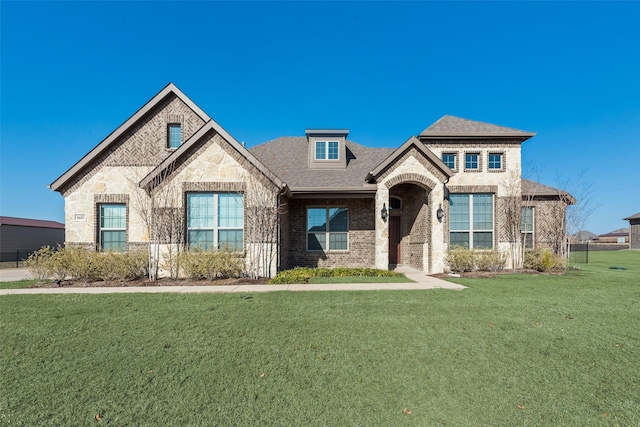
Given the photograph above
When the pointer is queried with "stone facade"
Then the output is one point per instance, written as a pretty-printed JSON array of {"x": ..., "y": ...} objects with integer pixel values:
[{"x": 634, "y": 233}]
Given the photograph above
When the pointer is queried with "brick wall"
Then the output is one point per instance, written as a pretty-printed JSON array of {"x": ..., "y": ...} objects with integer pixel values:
[{"x": 361, "y": 252}]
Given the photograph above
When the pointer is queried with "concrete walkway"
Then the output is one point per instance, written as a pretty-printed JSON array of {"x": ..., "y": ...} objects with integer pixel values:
[{"x": 422, "y": 281}]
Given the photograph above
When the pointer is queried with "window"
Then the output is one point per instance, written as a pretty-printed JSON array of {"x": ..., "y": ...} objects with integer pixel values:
[
  {"x": 327, "y": 228},
  {"x": 449, "y": 159},
  {"x": 215, "y": 220},
  {"x": 495, "y": 161},
  {"x": 471, "y": 161},
  {"x": 174, "y": 135},
  {"x": 471, "y": 220},
  {"x": 113, "y": 227},
  {"x": 327, "y": 150},
  {"x": 526, "y": 226}
]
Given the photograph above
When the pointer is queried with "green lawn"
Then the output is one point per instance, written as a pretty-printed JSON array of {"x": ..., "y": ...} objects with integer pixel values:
[
  {"x": 361, "y": 279},
  {"x": 515, "y": 350},
  {"x": 18, "y": 284}
]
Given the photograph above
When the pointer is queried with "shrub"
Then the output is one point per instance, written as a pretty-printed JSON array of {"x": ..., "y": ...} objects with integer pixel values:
[
  {"x": 460, "y": 259},
  {"x": 39, "y": 263},
  {"x": 490, "y": 260},
  {"x": 200, "y": 264},
  {"x": 544, "y": 260},
  {"x": 81, "y": 263},
  {"x": 303, "y": 274}
]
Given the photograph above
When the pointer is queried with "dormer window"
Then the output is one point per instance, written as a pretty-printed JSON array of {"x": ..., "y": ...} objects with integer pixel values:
[
  {"x": 327, "y": 150},
  {"x": 174, "y": 135}
]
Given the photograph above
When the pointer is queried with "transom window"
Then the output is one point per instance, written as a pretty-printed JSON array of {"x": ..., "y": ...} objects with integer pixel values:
[
  {"x": 526, "y": 226},
  {"x": 471, "y": 220},
  {"x": 495, "y": 161},
  {"x": 327, "y": 150},
  {"x": 327, "y": 229},
  {"x": 215, "y": 220},
  {"x": 113, "y": 227},
  {"x": 471, "y": 161},
  {"x": 174, "y": 135},
  {"x": 449, "y": 159}
]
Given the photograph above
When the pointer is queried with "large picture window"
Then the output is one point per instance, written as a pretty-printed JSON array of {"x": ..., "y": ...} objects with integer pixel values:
[
  {"x": 471, "y": 220},
  {"x": 113, "y": 227},
  {"x": 215, "y": 220},
  {"x": 327, "y": 229}
]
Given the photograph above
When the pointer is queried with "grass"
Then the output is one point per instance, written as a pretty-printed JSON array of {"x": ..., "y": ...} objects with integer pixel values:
[
  {"x": 18, "y": 284},
  {"x": 515, "y": 350}
]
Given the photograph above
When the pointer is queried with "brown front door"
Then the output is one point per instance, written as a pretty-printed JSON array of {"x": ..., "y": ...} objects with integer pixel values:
[{"x": 394, "y": 239}]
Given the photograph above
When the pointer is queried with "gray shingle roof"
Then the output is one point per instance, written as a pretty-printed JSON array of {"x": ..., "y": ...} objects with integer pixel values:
[
  {"x": 452, "y": 126},
  {"x": 287, "y": 157},
  {"x": 532, "y": 188},
  {"x": 635, "y": 216}
]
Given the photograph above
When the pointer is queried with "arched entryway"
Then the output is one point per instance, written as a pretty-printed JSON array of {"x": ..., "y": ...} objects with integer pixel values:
[{"x": 409, "y": 224}]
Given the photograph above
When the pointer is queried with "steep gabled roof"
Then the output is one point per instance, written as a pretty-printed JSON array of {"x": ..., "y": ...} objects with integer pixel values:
[
  {"x": 452, "y": 127},
  {"x": 26, "y": 222},
  {"x": 129, "y": 123},
  {"x": 413, "y": 141},
  {"x": 288, "y": 157},
  {"x": 196, "y": 138},
  {"x": 535, "y": 189}
]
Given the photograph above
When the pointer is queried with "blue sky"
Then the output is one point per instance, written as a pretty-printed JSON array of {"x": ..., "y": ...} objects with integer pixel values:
[{"x": 71, "y": 72}]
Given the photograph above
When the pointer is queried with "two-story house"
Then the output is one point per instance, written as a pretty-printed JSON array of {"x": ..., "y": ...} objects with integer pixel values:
[{"x": 318, "y": 199}]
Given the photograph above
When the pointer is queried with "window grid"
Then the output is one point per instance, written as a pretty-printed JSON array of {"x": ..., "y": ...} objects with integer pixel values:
[
  {"x": 113, "y": 227},
  {"x": 495, "y": 161},
  {"x": 215, "y": 220},
  {"x": 174, "y": 135},
  {"x": 471, "y": 220},
  {"x": 327, "y": 226},
  {"x": 526, "y": 226},
  {"x": 327, "y": 150},
  {"x": 471, "y": 161},
  {"x": 449, "y": 159}
]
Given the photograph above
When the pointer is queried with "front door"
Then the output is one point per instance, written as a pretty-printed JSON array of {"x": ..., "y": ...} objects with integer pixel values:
[{"x": 394, "y": 240}]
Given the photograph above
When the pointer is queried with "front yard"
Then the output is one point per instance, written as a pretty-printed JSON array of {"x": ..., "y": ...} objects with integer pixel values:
[{"x": 513, "y": 350}]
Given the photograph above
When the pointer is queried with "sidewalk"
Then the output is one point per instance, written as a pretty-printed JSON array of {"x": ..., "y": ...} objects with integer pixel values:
[{"x": 422, "y": 281}]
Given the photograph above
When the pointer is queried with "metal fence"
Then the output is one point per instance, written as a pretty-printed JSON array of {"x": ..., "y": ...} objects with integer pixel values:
[
  {"x": 579, "y": 253},
  {"x": 15, "y": 258}
]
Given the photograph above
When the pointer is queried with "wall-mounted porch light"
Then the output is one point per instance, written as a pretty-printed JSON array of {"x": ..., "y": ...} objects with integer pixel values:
[
  {"x": 384, "y": 213},
  {"x": 440, "y": 213}
]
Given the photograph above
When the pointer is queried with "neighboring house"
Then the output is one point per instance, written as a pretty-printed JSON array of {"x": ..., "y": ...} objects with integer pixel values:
[
  {"x": 584, "y": 236},
  {"x": 336, "y": 202},
  {"x": 21, "y": 236},
  {"x": 634, "y": 231},
  {"x": 620, "y": 235}
]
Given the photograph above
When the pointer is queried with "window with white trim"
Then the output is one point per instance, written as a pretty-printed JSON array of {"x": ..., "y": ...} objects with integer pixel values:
[
  {"x": 526, "y": 226},
  {"x": 215, "y": 220},
  {"x": 112, "y": 231},
  {"x": 471, "y": 220},
  {"x": 327, "y": 150},
  {"x": 174, "y": 135},
  {"x": 327, "y": 229}
]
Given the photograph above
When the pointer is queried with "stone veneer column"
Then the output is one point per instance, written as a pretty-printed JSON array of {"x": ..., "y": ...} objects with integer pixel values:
[
  {"x": 382, "y": 228},
  {"x": 438, "y": 245}
]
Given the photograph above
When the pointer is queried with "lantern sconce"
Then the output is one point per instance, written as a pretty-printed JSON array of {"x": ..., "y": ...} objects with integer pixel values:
[
  {"x": 384, "y": 213},
  {"x": 440, "y": 213}
]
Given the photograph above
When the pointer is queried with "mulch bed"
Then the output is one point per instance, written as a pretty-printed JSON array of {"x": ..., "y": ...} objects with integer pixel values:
[{"x": 165, "y": 281}]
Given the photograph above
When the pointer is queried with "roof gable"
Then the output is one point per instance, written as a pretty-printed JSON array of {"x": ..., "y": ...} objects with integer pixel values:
[
  {"x": 187, "y": 148},
  {"x": 535, "y": 189},
  {"x": 413, "y": 141},
  {"x": 452, "y": 127},
  {"x": 635, "y": 216},
  {"x": 106, "y": 143}
]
